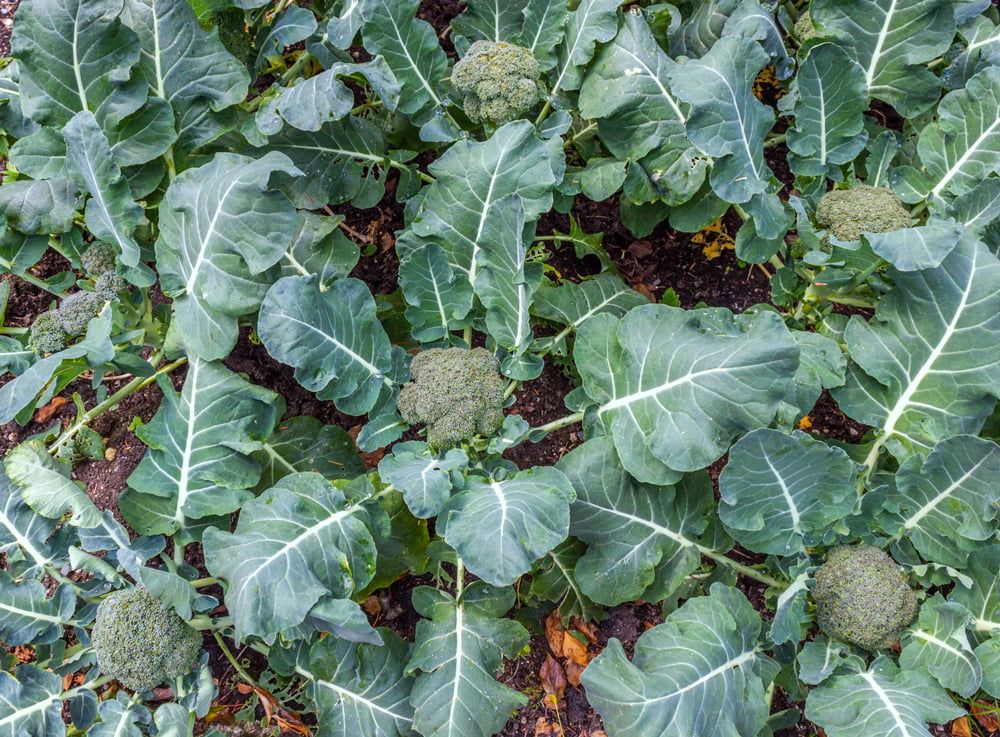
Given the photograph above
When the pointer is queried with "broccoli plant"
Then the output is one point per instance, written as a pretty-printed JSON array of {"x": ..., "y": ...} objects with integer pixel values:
[{"x": 804, "y": 488}]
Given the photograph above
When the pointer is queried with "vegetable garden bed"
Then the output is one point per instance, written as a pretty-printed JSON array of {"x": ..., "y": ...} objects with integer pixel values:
[{"x": 707, "y": 445}]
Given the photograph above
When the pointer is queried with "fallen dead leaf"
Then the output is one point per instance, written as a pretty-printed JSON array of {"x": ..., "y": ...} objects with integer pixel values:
[
  {"x": 47, "y": 412},
  {"x": 553, "y": 677},
  {"x": 546, "y": 727},
  {"x": 573, "y": 673},
  {"x": 985, "y": 714},
  {"x": 372, "y": 606},
  {"x": 960, "y": 727}
]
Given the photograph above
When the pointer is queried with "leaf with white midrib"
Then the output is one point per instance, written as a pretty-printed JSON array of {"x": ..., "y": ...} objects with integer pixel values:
[
  {"x": 30, "y": 704},
  {"x": 937, "y": 644},
  {"x": 22, "y": 532}
]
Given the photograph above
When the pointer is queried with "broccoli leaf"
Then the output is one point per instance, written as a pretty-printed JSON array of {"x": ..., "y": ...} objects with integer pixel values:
[
  {"x": 891, "y": 41},
  {"x": 881, "y": 700},
  {"x": 361, "y": 689},
  {"x": 780, "y": 492},
  {"x": 422, "y": 476},
  {"x": 24, "y": 535},
  {"x": 306, "y": 444},
  {"x": 30, "y": 703},
  {"x": 554, "y": 579},
  {"x": 674, "y": 387},
  {"x": 459, "y": 646},
  {"x": 332, "y": 338},
  {"x": 931, "y": 329},
  {"x": 499, "y": 528},
  {"x": 28, "y": 615},
  {"x": 938, "y": 645},
  {"x": 641, "y": 539},
  {"x": 700, "y": 672},
  {"x": 221, "y": 230},
  {"x": 544, "y": 28},
  {"x": 573, "y": 303},
  {"x": 945, "y": 505},
  {"x": 46, "y": 485},
  {"x": 198, "y": 462},
  {"x": 489, "y": 20},
  {"x": 591, "y": 23},
  {"x": 303, "y": 524},
  {"x": 438, "y": 296}
]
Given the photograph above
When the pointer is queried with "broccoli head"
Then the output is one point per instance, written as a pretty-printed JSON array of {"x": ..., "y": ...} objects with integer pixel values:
[
  {"x": 233, "y": 33},
  {"x": 141, "y": 642},
  {"x": 99, "y": 258},
  {"x": 862, "y": 597},
  {"x": 108, "y": 285},
  {"x": 47, "y": 334},
  {"x": 498, "y": 82},
  {"x": 455, "y": 392},
  {"x": 847, "y": 213},
  {"x": 76, "y": 311}
]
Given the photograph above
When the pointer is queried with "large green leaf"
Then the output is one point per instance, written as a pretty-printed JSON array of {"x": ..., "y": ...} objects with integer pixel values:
[
  {"x": 892, "y": 41},
  {"x": 111, "y": 214},
  {"x": 573, "y": 303},
  {"x": 501, "y": 527},
  {"x": 945, "y": 505},
  {"x": 554, "y": 579},
  {"x": 438, "y": 296},
  {"x": 46, "y": 486},
  {"x": 28, "y": 615},
  {"x": 297, "y": 544},
  {"x": 641, "y": 540},
  {"x": 982, "y": 598},
  {"x": 319, "y": 247},
  {"x": 422, "y": 476},
  {"x": 780, "y": 492},
  {"x": 544, "y": 27},
  {"x": 962, "y": 147},
  {"x": 198, "y": 463},
  {"x": 306, "y": 444},
  {"x": 24, "y": 535},
  {"x": 184, "y": 64},
  {"x": 76, "y": 55},
  {"x": 470, "y": 177},
  {"x": 38, "y": 207},
  {"x": 333, "y": 339},
  {"x": 914, "y": 249},
  {"x": 701, "y": 673},
  {"x": 628, "y": 90},
  {"x": 361, "y": 689},
  {"x": 591, "y": 23},
  {"x": 726, "y": 120},
  {"x": 489, "y": 20},
  {"x": 937, "y": 644},
  {"x": 881, "y": 700},
  {"x": 30, "y": 703},
  {"x": 923, "y": 369},
  {"x": 675, "y": 387},
  {"x": 831, "y": 99},
  {"x": 458, "y": 648},
  {"x": 221, "y": 229}
]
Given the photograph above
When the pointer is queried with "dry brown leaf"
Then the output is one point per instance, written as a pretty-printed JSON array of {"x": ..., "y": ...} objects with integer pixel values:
[
  {"x": 372, "y": 606},
  {"x": 552, "y": 676},
  {"x": 645, "y": 291},
  {"x": 47, "y": 412},
  {"x": 24, "y": 653},
  {"x": 573, "y": 673},
  {"x": 985, "y": 714},
  {"x": 585, "y": 628},
  {"x": 960, "y": 727},
  {"x": 244, "y": 688},
  {"x": 546, "y": 727}
]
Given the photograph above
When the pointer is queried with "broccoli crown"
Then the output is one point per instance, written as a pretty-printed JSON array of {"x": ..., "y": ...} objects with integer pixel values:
[
  {"x": 804, "y": 28},
  {"x": 98, "y": 259},
  {"x": 108, "y": 285},
  {"x": 76, "y": 311},
  {"x": 862, "y": 597},
  {"x": 233, "y": 33},
  {"x": 847, "y": 213},
  {"x": 498, "y": 82},
  {"x": 455, "y": 392},
  {"x": 141, "y": 642},
  {"x": 47, "y": 334}
]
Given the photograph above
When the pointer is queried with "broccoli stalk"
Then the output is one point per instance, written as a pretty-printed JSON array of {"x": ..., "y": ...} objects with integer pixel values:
[
  {"x": 141, "y": 642},
  {"x": 498, "y": 82},
  {"x": 455, "y": 392},
  {"x": 862, "y": 597}
]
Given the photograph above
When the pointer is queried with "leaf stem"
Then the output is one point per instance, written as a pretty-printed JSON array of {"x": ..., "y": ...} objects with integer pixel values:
[
  {"x": 775, "y": 140},
  {"x": 240, "y": 670},
  {"x": 35, "y": 281},
  {"x": 13, "y": 331},
  {"x": 89, "y": 686},
  {"x": 295, "y": 69},
  {"x": 740, "y": 568},
  {"x": 560, "y": 423},
  {"x": 133, "y": 386}
]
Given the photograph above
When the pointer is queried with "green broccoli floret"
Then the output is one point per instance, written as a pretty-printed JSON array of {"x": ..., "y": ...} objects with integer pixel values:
[
  {"x": 99, "y": 258},
  {"x": 141, "y": 642},
  {"x": 498, "y": 82},
  {"x": 804, "y": 28},
  {"x": 455, "y": 392},
  {"x": 847, "y": 213},
  {"x": 108, "y": 285},
  {"x": 47, "y": 334},
  {"x": 77, "y": 310},
  {"x": 862, "y": 597}
]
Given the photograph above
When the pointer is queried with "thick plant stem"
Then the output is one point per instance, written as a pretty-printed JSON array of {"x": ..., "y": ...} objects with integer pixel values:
[
  {"x": 130, "y": 388},
  {"x": 741, "y": 569},
  {"x": 89, "y": 686},
  {"x": 14, "y": 331},
  {"x": 204, "y": 622},
  {"x": 295, "y": 69},
  {"x": 560, "y": 423},
  {"x": 775, "y": 141}
]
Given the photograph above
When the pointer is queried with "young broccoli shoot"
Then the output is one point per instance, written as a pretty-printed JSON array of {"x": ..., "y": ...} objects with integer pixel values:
[
  {"x": 141, "y": 642},
  {"x": 862, "y": 597},
  {"x": 47, "y": 334},
  {"x": 77, "y": 310},
  {"x": 455, "y": 392},
  {"x": 498, "y": 82},
  {"x": 847, "y": 213},
  {"x": 804, "y": 28},
  {"x": 99, "y": 258}
]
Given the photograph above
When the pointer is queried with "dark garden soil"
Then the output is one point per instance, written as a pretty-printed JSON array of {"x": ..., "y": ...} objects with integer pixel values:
[{"x": 664, "y": 260}]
